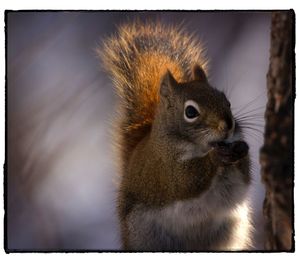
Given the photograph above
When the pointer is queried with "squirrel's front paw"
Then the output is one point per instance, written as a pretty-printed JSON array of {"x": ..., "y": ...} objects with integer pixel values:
[{"x": 230, "y": 152}]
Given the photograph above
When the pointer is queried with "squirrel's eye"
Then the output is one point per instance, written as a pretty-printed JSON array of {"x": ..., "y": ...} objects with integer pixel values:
[{"x": 191, "y": 111}]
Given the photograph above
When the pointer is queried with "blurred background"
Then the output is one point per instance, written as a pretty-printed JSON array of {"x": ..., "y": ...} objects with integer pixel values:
[{"x": 61, "y": 175}]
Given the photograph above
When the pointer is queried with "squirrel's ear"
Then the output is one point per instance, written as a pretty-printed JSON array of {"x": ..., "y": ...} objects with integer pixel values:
[
  {"x": 167, "y": 83},
  {"x": 199, "y": 74}
]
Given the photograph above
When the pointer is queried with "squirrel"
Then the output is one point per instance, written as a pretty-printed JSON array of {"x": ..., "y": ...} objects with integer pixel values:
[{"x": 185, "y": 168}]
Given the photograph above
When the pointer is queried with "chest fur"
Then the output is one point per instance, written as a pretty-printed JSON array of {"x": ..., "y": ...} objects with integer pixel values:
[
  {"x": 179, "y": 228},
  {"x": 216, "y": 220}
]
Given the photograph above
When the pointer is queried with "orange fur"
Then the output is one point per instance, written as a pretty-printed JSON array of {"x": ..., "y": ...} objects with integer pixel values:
[{"x": 136, "y": 58}]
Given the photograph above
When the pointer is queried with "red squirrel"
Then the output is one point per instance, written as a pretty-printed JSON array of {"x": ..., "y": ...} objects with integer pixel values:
[{"x": 184, "y": 165}]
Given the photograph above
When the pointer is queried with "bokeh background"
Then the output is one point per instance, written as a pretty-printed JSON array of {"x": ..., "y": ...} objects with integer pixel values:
[{"x": 61, "y": 175}]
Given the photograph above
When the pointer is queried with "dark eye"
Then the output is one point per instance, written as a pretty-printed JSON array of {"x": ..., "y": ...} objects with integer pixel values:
[{"x": 191, "y": 112}]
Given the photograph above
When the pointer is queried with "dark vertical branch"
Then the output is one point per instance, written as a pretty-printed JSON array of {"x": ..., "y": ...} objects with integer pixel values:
[{"x": 277, "y": 154}]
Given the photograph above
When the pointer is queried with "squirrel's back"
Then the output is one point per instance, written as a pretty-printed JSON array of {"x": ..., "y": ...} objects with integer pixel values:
[{"x": 137, "y": 58}]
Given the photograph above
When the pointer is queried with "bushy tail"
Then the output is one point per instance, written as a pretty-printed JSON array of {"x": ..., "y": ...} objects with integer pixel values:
[{"x": 136, "y": 58}]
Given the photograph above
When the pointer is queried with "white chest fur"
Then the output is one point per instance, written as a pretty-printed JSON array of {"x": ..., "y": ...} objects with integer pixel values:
[{"x": 217, "y": 220}]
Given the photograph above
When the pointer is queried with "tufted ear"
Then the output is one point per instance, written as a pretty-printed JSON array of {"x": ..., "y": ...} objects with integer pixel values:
[
  {"x": 199, "y": 74},
  {"x": 167, "y": 84}
]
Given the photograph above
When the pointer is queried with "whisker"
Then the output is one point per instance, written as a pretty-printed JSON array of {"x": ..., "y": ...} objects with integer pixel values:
[
  {"x": 250, "y": 113},
  {"x": 250, "y": 120},
  {"x": 255, "y": 131},
  {"x": 251, "y": 124},
  {"x": 262, "y": 106},
  {"x": 251, "y": 127},
  {"x": 250, "y": 102},
  {"x": 254, "y": 119},
  {"x": 254, "y": 137},
  {"x": 250, "y": 116},
  {"x": 259, "y": 124},
  {"x": 258, "y": 109}
]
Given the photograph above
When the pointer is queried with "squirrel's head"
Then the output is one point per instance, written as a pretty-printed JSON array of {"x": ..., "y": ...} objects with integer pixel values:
[{"x": 195, "y": 111}]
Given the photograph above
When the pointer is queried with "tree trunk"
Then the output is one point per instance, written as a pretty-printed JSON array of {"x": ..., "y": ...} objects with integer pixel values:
[{"x": 277, "y": 154}]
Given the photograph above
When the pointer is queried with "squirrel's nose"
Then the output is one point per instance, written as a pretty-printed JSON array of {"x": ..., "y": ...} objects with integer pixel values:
[
  {"x": 226, "y": 124},
  {"x": 229, "y": 122}
]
